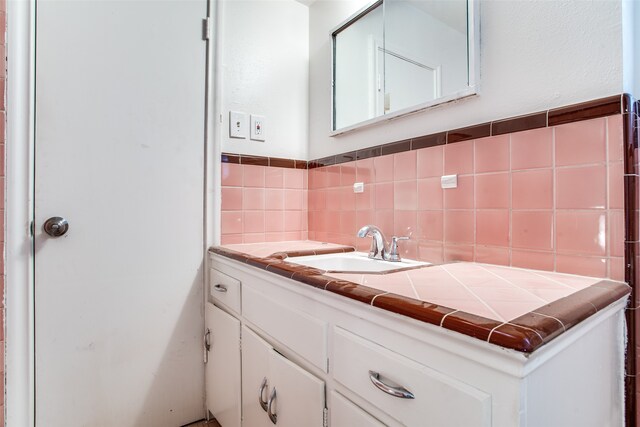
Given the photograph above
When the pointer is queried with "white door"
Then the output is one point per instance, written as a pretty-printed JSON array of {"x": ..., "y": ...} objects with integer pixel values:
[
  {"x": 120, "y": 101},
  {"x": 223, "y": 366}
]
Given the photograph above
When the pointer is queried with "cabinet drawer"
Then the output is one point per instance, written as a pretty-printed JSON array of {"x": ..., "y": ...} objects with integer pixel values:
[
  {"x": 304, "y": 334},
  {"x": 442, "y": 400},
  {"x": 224, "y": 289}
]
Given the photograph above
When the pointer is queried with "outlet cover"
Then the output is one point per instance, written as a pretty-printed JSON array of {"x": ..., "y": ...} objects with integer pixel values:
[
  {"x": 237, "y": 124},
  {"x": 449, "y": 181},
  {"x": 257, "y": 128}
]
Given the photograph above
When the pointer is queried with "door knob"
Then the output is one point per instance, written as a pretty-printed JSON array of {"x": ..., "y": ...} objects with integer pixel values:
[{"x": 56, "y": 226}]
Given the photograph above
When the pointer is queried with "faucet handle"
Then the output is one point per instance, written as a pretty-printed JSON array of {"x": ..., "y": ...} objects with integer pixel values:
[{"x": 393, "y": 250}]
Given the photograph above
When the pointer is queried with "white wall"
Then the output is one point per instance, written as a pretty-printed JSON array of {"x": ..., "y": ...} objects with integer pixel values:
[
  {"x": 265, "y": 53},
  {"x": 535, "y": 55}
]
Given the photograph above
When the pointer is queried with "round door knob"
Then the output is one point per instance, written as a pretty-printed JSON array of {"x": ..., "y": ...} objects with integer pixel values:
[{"x": 56, "y": 226}]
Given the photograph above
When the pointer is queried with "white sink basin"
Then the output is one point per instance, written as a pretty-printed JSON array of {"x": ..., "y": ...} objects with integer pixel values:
[{"x": 353, "y": 262}]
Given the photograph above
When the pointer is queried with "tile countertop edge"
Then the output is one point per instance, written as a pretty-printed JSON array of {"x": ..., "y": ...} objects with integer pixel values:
[{"x": 525, "y": 334}]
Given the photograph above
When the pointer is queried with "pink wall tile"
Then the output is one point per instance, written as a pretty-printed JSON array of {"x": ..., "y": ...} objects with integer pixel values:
[
  {"x": 533, "y": 260},
  {"x": 492, "y": 227},
  {"x": 293, "y": 178},
  {"x": 384, "y": 195},
  {"x": 532, "y": 189},
  {"x": 383, "y": 168},
  {"x": 231, "y": 199},
  {"x": 459, "y": 227},
  {"x": 405, "y": 195},
  {"x": 231, "y": 222},
  {"x": 274, "y": 237},
  {"x": 431, "y": 251},
  {"x": 253, "y": 199},
  {"x": 274, "y": 177},
  {"x": 586, "y": 266},
  {"x": 615, "y": 142},
  {"x": 430, "y": 194},
  {"x": 253, "y": 175},
  {"x": 581, "y": 188},
  {"x": 384, "y": 219},
  {"x": 492, "y": 154},
  {"x": 532, "y": 149},
  {"x": 347, "y": 174},
  {"x": 461, "y": 197},
  {"x": 334, "y": 199},
  {"x": 492, "y": 191},
  {"x": 348, "y": 224},
  {"x": 458, "y": 158},
  {"x": 293, "y": 199},
  {"x": 365, "y": 200},
  {"x": 532, "y": 230},
  {"x": 274, "y": 221},
  {"x": 274, "y": 199},
  {"x": 296, "y": 220},
  {"x": 253, "y": 222},
  {"x": 430, "y": 225},
  {"x": 580, "y": 142},
  {"x": 253, "y": 238},
  {"x": 333, "y": 176},
  {"x": 616, "y": 269},
  {"x": 404, "y": 166},
  {"x": 347, "y": 199},
  {"x": 490, "y": 255},
  {"x": 616, "y": 185},
  {"x": 616, "y": 233},
  {"x": 405, "y": 224},
  {"x": 454, "y": 252},
  {"x": 365, "y": 171},
  {"x": 230, "y": 239},
  {"x": 581, "y": 232},
  {"x": 430, "y": 162},
  {"x": 231, "y": 175}
]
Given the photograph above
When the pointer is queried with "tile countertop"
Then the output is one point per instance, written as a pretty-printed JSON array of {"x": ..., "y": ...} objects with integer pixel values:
[{"x": 511, "y": 307}]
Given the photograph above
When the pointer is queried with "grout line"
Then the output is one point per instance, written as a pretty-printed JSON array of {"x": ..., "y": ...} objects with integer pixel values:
[
  {"x": 498, "y": 317},
  {"x": 376, "y": 296},
  {"x": 491, "y": 333},
  {"x": 554, "y": 281},
  {"x": 415, "y": 292},
  {"x": 446, "y": 315},
  {"x": 512, "y": 284},
  {"x": 564, "y": 329}
]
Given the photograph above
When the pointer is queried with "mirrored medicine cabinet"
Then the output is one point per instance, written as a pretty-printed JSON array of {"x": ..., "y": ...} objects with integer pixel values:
[{"x": 396, "y": 57}]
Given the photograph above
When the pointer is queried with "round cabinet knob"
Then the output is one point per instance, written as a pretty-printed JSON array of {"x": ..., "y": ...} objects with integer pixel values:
[{"x": 56, "y": 226}]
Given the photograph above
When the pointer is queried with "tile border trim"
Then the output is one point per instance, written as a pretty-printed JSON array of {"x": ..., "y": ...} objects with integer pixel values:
[{"x": 526, "y": 333}]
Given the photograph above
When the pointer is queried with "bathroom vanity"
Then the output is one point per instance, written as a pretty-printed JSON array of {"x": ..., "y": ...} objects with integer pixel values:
[{"x": 292, "y": 345}]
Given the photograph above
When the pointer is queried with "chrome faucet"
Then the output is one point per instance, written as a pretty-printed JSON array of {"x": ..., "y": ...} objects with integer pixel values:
[{"x": 378, "y": 248}]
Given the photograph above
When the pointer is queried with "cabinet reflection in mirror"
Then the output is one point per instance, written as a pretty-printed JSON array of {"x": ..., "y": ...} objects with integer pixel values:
[{"x": 395, "y": 57}]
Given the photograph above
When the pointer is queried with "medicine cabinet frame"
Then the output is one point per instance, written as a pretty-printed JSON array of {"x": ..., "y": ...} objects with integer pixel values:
[{"x": 473, "y": 70}]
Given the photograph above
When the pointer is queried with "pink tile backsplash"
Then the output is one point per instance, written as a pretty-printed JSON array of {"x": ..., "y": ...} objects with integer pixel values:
[
  {"x": 547, "y": 199},
  {"x": 262, "y": 203}
]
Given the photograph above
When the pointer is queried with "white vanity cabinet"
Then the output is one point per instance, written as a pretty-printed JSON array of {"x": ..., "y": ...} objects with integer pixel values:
[{"x": 333, "y": 361}]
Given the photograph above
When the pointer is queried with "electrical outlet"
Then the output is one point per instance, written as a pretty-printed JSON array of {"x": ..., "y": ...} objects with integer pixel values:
[
  {"x": 237, "y": 124},
  {"x": 449, "y": 181},
  {"x": 257, "y": 128}
]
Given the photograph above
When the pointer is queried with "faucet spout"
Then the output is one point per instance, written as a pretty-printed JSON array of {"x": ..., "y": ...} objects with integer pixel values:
[{"x": 378, "y": 248}]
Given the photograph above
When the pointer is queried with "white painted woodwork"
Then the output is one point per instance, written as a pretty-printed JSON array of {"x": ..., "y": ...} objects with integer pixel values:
[
  {"x": 119, "y": 147},
  {"x": 345, "y": 413},
  {"x": 224, "y": 290},
  {"x": 306, "y": 335},
  {"x": 438, "y": 397},
  {"x": 299, "y": 395},
  {"x": 457, "y": 380},
  {"x": 256, "y": 354},
  {"x": 222, "y": 369}
]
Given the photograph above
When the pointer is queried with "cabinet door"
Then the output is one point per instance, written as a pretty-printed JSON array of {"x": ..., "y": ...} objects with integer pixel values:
[
  {"x": 255, "y": 369},
  {"x": 344, "y": 413},
  {"x": 299, "y": 395},
  {"x": 223, "y": 367}
]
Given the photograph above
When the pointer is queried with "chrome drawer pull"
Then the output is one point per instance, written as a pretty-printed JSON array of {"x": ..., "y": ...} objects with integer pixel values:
[
  {"x": 393, "y": 389},
  {"x": 272, "y": 415},
  {"x": 263, "y": 385},
  {"x": 220, "y": 288}
]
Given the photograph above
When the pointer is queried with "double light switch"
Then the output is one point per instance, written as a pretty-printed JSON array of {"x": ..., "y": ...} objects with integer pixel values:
[{"x": 239, "y": 127}]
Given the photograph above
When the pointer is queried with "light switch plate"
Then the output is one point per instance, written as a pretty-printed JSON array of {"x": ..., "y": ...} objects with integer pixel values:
[
  {"x": 257, "y": 128},
  {"x": 237, "y": 124},
  {"x": 449, "y": 181},
  {"x": 358, "y": 187}
]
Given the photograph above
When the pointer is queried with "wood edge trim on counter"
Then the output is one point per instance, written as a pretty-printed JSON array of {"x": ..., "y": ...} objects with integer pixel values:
[
  {"x": 526, "y": 333},
  {"x": 602, "y": 107}
]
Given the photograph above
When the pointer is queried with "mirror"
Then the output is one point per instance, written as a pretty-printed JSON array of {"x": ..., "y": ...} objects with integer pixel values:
[{"x": 396, "y": 57}]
